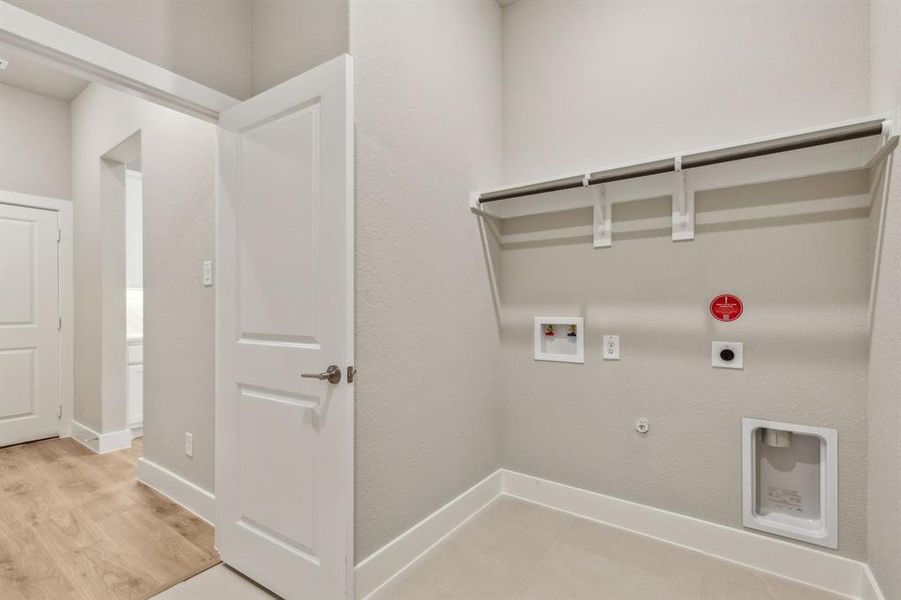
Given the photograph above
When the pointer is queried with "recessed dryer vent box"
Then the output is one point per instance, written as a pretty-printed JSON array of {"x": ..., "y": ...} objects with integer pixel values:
[
  {"x": 790, "y": 480},
  {"x": 559, "y": 339}
]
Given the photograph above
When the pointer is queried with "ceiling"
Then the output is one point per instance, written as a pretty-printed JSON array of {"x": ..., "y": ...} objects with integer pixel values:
[
  {"x": 28, "y": 74},
  {"x": 505, "y": 2}
]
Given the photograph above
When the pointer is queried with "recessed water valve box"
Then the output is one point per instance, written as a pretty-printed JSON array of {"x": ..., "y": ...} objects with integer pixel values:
[
  {"x": 559, "y": 339},
  {"x": 790, "y": 480}
]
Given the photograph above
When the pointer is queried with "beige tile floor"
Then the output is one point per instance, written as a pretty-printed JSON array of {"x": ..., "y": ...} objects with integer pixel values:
[
  {"x": 515, "y": 549},
  {"x": 218, "y": 583}
]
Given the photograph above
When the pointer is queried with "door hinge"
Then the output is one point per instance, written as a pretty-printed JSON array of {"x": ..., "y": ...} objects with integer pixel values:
[
  {"x": 59, "y": 235},
  {"x": 59, "y": 413},
  {"x": 351, "y": 373},
  {"x": 59, "y": 324}
]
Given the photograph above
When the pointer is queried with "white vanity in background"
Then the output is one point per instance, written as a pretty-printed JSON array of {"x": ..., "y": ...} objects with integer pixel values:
[
  {"x": 134, "y": 299},
  {"x": 135, "y": 386},
  {"x": 134, "y": 378}
]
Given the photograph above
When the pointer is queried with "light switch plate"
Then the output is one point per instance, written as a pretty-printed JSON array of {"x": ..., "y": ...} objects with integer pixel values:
[
  {"x": 189, "y": 444},
  {"x": 737, "y": 361},
  {"x": 611, "y": 347},
  {"x": 207, "y": 273}
]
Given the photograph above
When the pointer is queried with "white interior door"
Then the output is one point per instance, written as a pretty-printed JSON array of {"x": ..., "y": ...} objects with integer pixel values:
[
  {"x": 29, "y": 324},
  {"x": 284, "y": 443}
]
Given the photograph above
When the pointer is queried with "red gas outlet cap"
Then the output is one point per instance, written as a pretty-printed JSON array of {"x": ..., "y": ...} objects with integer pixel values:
[{"x": 726, "y": 307}]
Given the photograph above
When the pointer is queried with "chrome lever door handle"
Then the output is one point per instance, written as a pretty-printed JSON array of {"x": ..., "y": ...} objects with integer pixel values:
[{"x": 332, "y": 375}]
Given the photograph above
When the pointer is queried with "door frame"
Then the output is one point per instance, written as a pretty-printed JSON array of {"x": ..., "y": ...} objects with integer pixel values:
[{"x": 63, "y": 209}]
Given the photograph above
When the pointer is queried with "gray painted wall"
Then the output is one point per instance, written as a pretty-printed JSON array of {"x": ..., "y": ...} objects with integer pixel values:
[
  {"x": 428, "y": 102},
  {"x": 804, "y": 283},
  {"x": 208, "y": 42},
  {"x": 290, "y": 37},
  {"x": 34, "y": 143},
  {"x": 178, "y": 154},
  {"x": 884, "y": 404},
  {"x": 588, "y": 84},
  {"x": 239, "y": 47}
]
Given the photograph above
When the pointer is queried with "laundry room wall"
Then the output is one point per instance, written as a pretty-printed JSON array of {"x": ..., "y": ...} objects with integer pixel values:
[
  {"x": 428, "y": 130},
  {"x": 591, "y": 84},
  {"x": 288, "y": 38},
  {"x": 884, "y": 407}
]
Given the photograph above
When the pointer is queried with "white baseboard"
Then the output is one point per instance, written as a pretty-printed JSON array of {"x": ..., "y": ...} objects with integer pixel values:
[
  {"x": 100, "y": 443},
  {"x": 136, "y": 430},
  {"x": 387, "y": 562},
  {"x": 816, "y": 568},
  {"x": 871, "y": 590},
  {"x": 178, "y": 489}
]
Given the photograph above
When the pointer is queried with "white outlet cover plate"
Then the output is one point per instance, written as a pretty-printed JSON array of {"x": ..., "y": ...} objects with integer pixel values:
[
  {"x": 736, "y": 363},
  {"x": 610, "y": 349},
  {"x": 207, "y": 273}
]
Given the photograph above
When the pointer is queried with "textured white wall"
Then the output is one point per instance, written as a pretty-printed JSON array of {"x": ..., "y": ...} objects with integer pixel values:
[
  {"x": 290, "y": 37},
  {"x": 884, "y": 403},
  {"x": 587, "y": 84},
  {"x": 178, "y": 162},
  {"x": 593, "y": 83},
  {"x": 428, "y": 130},
  {"x": 207, "y": 41},
  {"x": 34, "y": 143},
  {"x": 134, "y": 230},
  {"x": 239, "y": 47}
]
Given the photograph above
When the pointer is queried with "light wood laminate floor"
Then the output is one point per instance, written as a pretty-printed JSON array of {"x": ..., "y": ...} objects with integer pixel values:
[{"x": 78, "y": 525}]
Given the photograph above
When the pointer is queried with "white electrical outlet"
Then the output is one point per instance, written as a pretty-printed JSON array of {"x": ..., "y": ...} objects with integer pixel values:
[
  {"x": 189, "y": 444},
  {"x": 611, "y": 347},
  {"x": 207, "y": 273}
]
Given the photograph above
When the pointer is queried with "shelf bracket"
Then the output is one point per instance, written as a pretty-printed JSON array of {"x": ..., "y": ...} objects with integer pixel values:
[
  {"x": 476, "y": 208},
  {"x": 602, "y": 226},
  {"x": 683, "y": 205}
]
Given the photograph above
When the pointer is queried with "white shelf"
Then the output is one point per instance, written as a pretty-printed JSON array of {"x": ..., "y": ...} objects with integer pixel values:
[{"x": 862, "y": 143}]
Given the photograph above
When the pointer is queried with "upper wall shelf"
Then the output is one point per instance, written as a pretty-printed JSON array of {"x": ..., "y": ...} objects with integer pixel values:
[{"x": 852, "y": 145}]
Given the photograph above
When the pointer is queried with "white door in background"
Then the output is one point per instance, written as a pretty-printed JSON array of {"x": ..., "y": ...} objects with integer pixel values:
[
  {"x": 284, "y": 444},
  {"x": 29, "y": 324}
]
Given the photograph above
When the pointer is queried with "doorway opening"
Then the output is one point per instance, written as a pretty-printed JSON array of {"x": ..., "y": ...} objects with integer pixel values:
[
  {"x": 121, "y": 224},
  {"x": 82, "y": 451},
  {"x": 134, "y": 297}
]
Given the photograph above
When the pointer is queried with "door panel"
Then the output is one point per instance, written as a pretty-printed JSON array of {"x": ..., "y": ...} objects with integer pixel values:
[
  {"x": 284, "y": 444},
  {"x": 29, "y": 333},
  {"x": 281, "y": 164}
]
